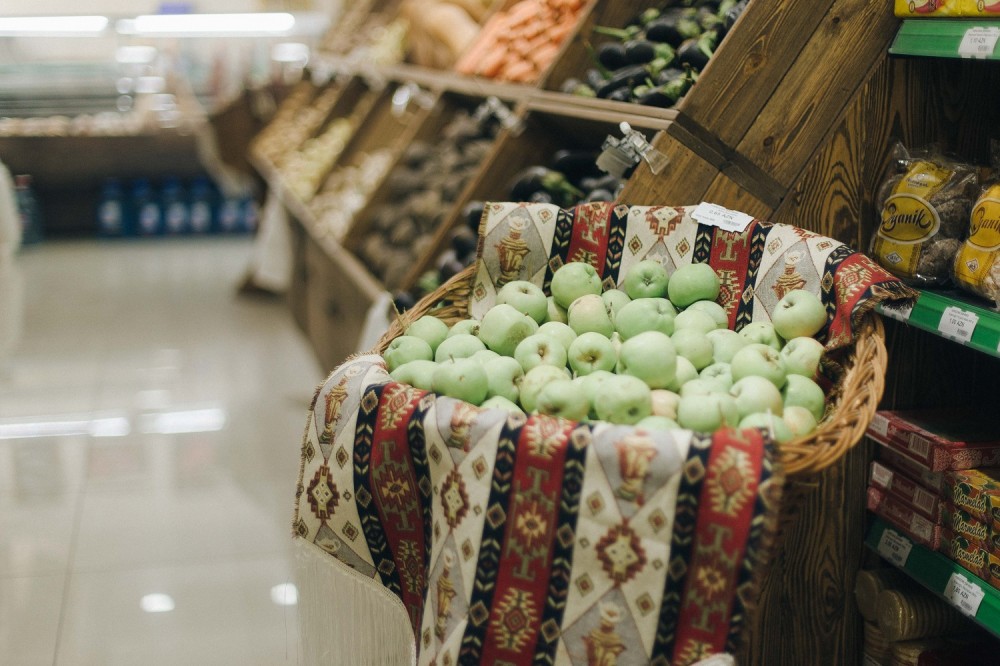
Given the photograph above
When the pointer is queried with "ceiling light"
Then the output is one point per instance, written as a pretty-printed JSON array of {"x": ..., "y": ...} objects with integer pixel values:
[
  {"x": 66, "y": 25},
  {"x": 157, "y": 603},
  {"x": 285, "y": 594},
  {"x": 194, "y": 24}
]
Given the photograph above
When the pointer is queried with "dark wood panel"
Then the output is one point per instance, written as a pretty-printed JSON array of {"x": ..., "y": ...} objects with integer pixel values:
[{"x": 684, "y": 180}]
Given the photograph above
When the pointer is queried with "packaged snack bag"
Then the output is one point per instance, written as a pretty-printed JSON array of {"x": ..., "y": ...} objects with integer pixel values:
[{"x": 977, "y": 264}]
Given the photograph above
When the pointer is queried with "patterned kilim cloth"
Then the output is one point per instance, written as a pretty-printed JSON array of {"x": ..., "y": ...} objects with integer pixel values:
[{"x": 522, "y": 540}]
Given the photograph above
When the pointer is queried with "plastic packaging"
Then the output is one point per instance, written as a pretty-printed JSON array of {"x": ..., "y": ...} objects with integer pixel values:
[
  {"x": 924, "y": 208},
  {"x": 977, "y": 265}
]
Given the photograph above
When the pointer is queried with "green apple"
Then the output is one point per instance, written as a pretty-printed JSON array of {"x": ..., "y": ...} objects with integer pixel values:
[
  {"x": 461, "y": 378},
  {"x": 500, "y": 402},
  {"x": 615, "y": 300},
  {"x": 720, "y": 373},
  {"x": 484, "y": 355},
  {"x": 760, "y": 360},
  {"x": 803, "y": 392},
  {"x": 725, "y": 343},
  {"x": 616, "y": 342},
  {"x": 694, "y": 346},
  {"x": 799, "y": 313},
  {"x": 664, "y": 403},
  {"x": 555, "y": 312},
  {"x": 646, "y": 279},
  {"x": 650, "y": 356},
  {"x": 707, "y": 412},
  {"x": 762, "y": 332},
  {"x": 458, "y": 346},
  {"x": 540, "y": 349},
  {"x": 404, "y": 349},
  {"x": 799, "y": 420},
  {"x": 755, "y": 394},
  {"x": 770, "y": 423},
  {"x": 573, "y": 280},
  {"x": 654, "y": 422},
  {"x": 691, "y": 283},
  {"x": 533, "y": 382},
  {"x": 802, "y": 356},
  {"x": 592, "y": 385},
  {"x": 419, "y": 374},
  {"x": 685, "y": 373},
  {"x": 429, "y": 328},
  {"x": 503, "y": 377},
  {"x": 562, "y": 398},
  {"x": 558, "y": 331},
  {"x": 588, "y": 313},
  {"x": 625, "y": 400},
  {"x": 526, "y": 297},
  {"x": 464, "y": 327},
  {"x": 591, "y": 352},
  {"x": 713, "y": 310},
  {"x": 645, "y": 314},
  {"x": 503, "y": 327},
  {"x": 694, "y": 320},
  {"x": 701, "y": 386}
]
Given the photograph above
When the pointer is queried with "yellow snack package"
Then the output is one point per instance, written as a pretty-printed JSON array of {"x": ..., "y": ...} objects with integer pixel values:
[{"x": 977, "y": 264}]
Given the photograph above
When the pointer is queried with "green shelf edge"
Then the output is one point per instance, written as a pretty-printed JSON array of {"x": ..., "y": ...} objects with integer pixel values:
[
  {"x": 937, "y": 38},
  {"x": 930, "y": 305},
  {"x": 932, "y": 570}
]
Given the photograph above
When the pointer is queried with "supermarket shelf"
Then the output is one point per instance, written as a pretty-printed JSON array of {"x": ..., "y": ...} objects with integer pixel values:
[
  {"x": 954, "y": 584},
  {"x": 946, "y": 38},
  {"x": 955, "y": 316}
]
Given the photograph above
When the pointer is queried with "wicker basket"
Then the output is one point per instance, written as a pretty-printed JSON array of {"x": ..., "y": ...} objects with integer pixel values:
[{"x": 853, "y": 401}]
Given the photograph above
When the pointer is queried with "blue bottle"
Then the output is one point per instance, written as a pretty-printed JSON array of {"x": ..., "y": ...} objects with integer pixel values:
[
  {"x": 200, "y": 206},
  {"x": 175, "y": 208},
  {"x": 148, "y": 214},
  {"x": 111, "y": 209}
]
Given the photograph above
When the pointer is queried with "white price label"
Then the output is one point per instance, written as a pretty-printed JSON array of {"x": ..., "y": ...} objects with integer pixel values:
[
  {"x": 894, "y": 547},
  {"x": 717, "y": 216},
  {"x": 979, "y": 42},
  {"x": 958, "y": 324},
  {"x": 881, "y": 476},
  {"x": 879, "y": 425},
  {"x": 898, "y": 312},
  {"x": 964, "y": 594}
]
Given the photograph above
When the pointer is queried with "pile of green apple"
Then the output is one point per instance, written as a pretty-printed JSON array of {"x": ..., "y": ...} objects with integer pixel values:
[{"x": 656, "y": 353}]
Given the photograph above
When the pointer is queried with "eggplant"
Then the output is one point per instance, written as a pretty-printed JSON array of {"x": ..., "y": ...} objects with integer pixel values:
[
  {"x": 403, "y": 301},
  {"x": 657, "y": 97},
  {"x": 612, "y": 55},
  {"x": 473, "y": 214},
  {"x": 541, "y": 197},
  {"x": 668, "y": 75},
  {"x": 664, "y": 31},
  {"x": 639, "y": 51},
  {"x": 600, "y": 195},
  {"x": 697, "y": 52},
  {"x": 570, "y": 85},
  {"x": 594, "y": 78},
  {"x": 538, "y": 178},
  {"x": 464, "y": 240},
  {"x": 623, "y": 94},
  {"x": 626, "y": 76},
  {"x": 576, "y": 164},
  {"x": 583, "y": 90},
  {"x": 734, "y": 12}
]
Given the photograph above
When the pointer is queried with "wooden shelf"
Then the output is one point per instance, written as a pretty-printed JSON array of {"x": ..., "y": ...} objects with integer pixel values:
[{"x": 946, "y": 38}]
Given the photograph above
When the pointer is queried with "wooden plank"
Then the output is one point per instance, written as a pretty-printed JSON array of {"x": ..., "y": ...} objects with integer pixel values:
[
  {"x": 749, "y": 65},
  {"x": 829, "y": 71},
  {"x": 729, "y": 193},
  {"x": 684, "y": 180}
]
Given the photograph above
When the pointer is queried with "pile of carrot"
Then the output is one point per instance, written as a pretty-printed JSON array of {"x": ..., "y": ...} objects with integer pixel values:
[{"x": 519, "y": 43}]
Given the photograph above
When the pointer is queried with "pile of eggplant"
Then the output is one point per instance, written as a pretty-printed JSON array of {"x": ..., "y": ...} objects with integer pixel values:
[
  {"x": 570, "y": 178},
  {"x": 657, "y": 57}
]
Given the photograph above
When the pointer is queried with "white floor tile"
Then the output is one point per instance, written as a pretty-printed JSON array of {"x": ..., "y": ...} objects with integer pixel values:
[{"x": 29, "y": 619}]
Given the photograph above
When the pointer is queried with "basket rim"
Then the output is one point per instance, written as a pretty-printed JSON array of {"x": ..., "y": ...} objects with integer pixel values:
[{"x": 854, "y": 400}]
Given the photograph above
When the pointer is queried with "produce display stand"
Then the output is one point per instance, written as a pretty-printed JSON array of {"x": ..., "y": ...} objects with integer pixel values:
[
  {"x": 953, "y": 583},
  {"x": 792, "y": 121}
]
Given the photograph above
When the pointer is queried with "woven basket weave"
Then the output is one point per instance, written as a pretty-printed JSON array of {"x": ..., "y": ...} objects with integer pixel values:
[{"x": 853, "y": 400}]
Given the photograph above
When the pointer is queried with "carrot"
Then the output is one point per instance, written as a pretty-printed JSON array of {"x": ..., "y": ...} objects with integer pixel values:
[
  {"x": 521, "y": 70},
  {"x": 544, "y": 55},
  {"x": 492, "y": 63}
]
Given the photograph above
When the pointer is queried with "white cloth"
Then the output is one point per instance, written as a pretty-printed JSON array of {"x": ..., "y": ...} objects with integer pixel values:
[{"x": 271, "y": 264}]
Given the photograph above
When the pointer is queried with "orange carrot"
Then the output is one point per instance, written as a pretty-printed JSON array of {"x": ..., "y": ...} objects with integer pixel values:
[{"x": 492, "y": 63}]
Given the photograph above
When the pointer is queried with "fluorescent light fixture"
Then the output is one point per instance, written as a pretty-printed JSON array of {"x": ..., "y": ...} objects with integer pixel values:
[
  {"x": 201, "y": 24},
  {"x": 157, "y": 603},
  {"x": 70, "y": 426},
  {"x": 290, "y": 52},
  {"x": 285, "y": 594},
  {"x": 65, "y": 25}
]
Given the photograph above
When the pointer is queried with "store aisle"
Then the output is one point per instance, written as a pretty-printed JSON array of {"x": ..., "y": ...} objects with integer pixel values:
[{"x": 149, "y": 427}]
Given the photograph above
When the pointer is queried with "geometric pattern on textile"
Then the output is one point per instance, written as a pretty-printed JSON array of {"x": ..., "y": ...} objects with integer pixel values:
[
  {"x": 546, "y": 541},
  {"x": 756, "y": 267}
]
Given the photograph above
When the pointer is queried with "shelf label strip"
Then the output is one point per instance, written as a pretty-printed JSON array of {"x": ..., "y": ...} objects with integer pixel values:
[
  {"x": 894, "y": 547},
  {"x": 979, "y": 42},
  {"x": 963, "y": 594},
  {"x": 958, "y": 324}
]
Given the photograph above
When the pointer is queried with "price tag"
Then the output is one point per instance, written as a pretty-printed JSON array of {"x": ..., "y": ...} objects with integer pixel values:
[
  {"x": 898, "y": 312},
  {"x": 881, "y": 476},
  {"x": 964, "y": 595},
  {"x": 879, "y": 425},
  {"x": 979, "y": 42},
  {"x": 717, "y": 216},
  {"x": 894, "y": 547},
  {"x": 957, "y": 324}
]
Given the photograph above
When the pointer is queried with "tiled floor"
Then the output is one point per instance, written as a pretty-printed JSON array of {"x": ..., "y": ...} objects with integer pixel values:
[{"x": 149, "y": 431}]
